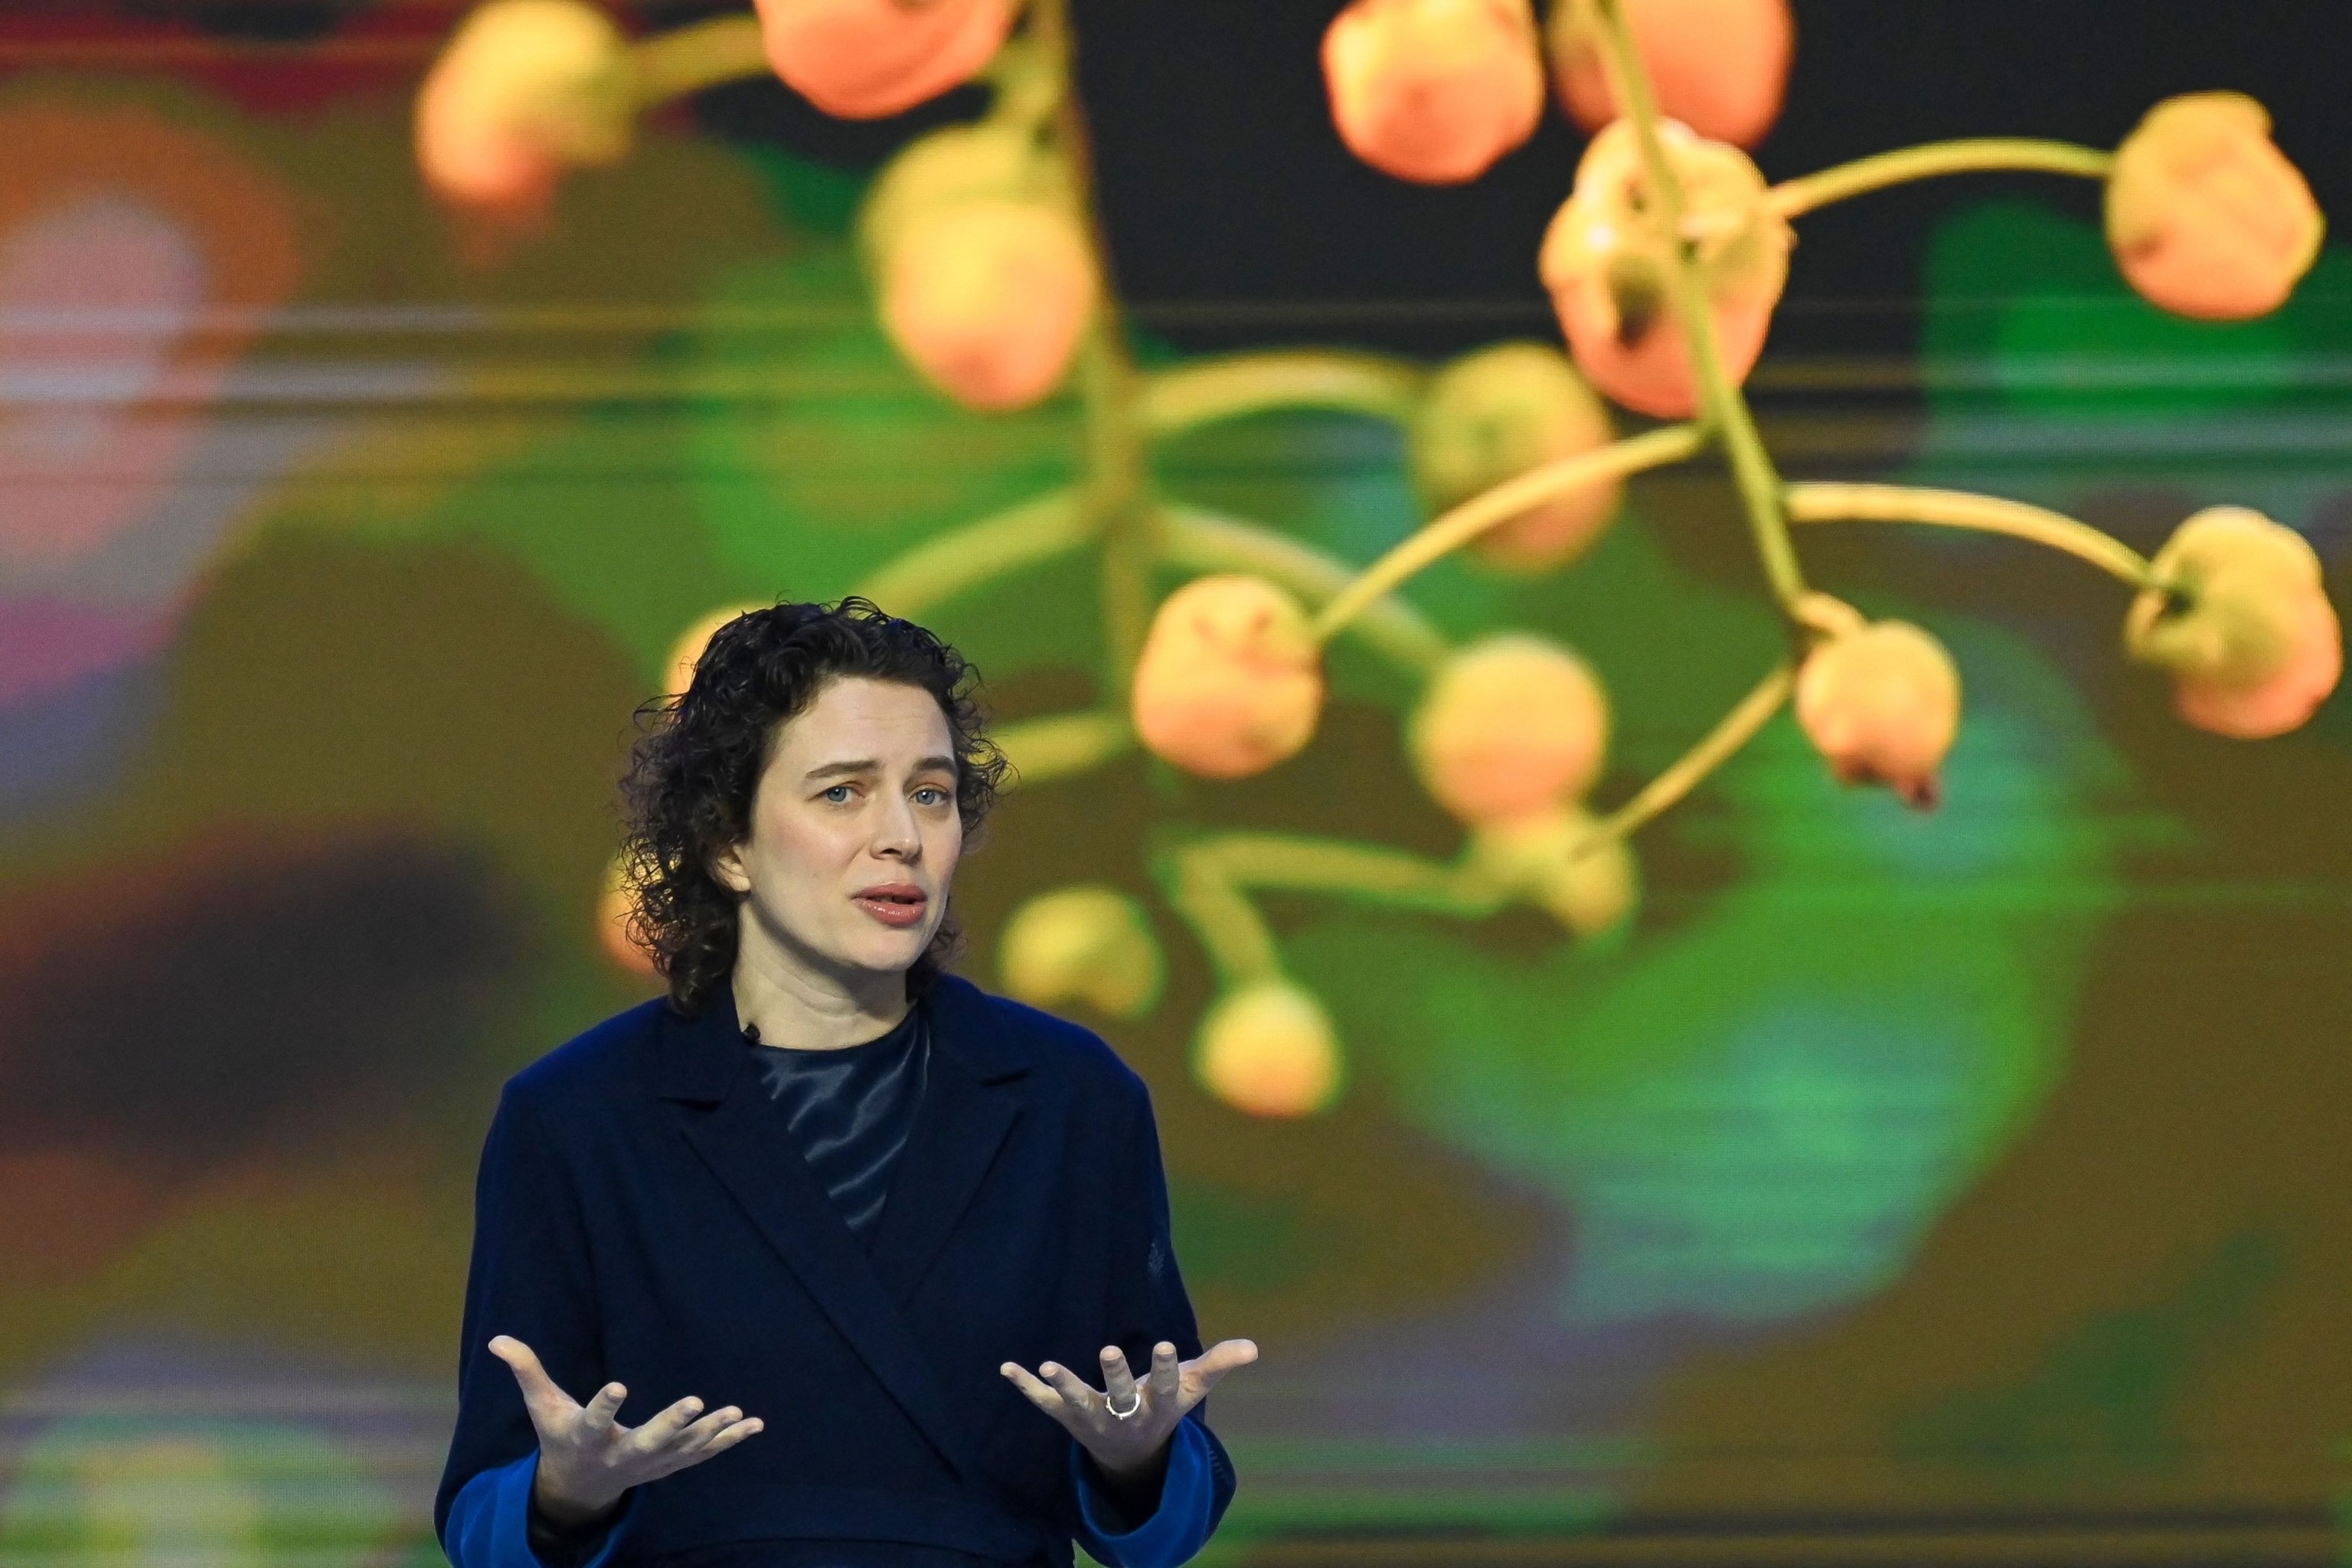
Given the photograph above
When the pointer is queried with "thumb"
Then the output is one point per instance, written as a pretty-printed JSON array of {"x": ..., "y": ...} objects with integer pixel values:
[
  {"x": 1203, "y": 1371},
  {"x": 541, "y": 1396}
]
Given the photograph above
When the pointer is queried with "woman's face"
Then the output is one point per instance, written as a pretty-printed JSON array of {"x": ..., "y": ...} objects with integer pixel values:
[{"x": 854, "y": 835}]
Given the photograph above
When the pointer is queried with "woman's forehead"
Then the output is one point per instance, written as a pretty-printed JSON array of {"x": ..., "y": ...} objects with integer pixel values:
[{"x": 855, "y": 718}]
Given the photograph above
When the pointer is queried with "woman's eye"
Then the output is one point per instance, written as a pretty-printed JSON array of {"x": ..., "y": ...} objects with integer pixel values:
[
  {"x": 839, "y": 795},
  {"x": 930, "y": 794}
]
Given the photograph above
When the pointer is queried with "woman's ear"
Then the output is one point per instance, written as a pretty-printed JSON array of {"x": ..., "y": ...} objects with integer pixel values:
[{"x": 728, "y": 866}]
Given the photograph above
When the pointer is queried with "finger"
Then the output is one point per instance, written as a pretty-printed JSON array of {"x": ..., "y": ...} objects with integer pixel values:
[
  {"x": 727, "y": 1437},
  {"x": 1166, "y": 1379},
  {"x": 663, "y": 1429},
  {"x": 597, "y": 1421},
  {"x": 1075, "y": 1392},
  {"x": 734, "y": 1433},
  {"x": 699, "y": 1435},
  {"x": 1202, "y": 1371},
  {"x": 546, "y": 1401},
  {"x": 1033, "y": 1389},
  {"x": 1119, "y": 1382},
  {"x": 670, "y": 1463}
]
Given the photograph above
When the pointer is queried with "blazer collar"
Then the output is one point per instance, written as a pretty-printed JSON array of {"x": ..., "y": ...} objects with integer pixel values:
[
  {"x": 702, "y": 1056},
  {"x": 966, "y": 1024},
  {"x": 969, "y": 1103}
]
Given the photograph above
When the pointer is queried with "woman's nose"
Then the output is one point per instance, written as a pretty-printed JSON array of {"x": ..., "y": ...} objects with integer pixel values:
[{"x": 898, "y": 834}]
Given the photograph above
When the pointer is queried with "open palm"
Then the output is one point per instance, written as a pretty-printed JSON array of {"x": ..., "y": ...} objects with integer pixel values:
[
  {"x": 1126, "y": 1423},
  {"x": 587, "y": 1459}
]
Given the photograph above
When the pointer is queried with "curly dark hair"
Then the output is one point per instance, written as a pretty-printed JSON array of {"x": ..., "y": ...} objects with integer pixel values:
[{"x": 692, "y": 774}]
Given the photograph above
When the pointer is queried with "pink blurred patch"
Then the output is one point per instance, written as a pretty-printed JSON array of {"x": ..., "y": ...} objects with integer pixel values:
[
  {"x": 47, "y": 645},
  {"x": 95, "y": 295},
  {"x": 137, "y": 258}
]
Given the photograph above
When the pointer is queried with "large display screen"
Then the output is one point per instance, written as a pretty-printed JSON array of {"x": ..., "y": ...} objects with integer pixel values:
[{"x": 1928, "y": 1181}]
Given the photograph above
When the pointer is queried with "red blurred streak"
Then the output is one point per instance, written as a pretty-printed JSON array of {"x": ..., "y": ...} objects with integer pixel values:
[{"x": 382, "y": 49}]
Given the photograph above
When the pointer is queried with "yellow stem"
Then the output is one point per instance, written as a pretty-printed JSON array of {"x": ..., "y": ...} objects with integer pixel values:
[
  {"x": 1720, "y": 400},
  {"x": 1233, "y": 385},
  {"x": 1043, "y": 749},
  {"x": 1115, "y": 498},
  {"x": 1793, "y": 198},
  {"x": 1455, "y": 529},
  {"x": 1198, "y": 540},
  {"x": 701, "y": 54},
  {"x": 1295, "y": 863},
  {"x": 914, "y": 584},
  {"x": 1208, "y": 882},
  {"x": 1027, "y": 83},
  {"x": 1114, "y": 489},
  {"x": 1735, "y": 729},
  {"x": 1240, "y": 945},
  {"x": 1984, "y": 514}
]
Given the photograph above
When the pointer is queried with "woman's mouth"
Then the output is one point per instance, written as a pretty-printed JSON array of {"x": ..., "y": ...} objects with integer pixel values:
[{"x": 897, "y": 904}]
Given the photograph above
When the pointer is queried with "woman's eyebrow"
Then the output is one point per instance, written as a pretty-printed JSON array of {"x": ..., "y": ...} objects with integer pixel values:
[{"x": 869, "y": 766}]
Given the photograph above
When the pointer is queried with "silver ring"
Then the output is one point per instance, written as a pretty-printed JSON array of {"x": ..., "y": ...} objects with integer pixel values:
[{"x": 1131, "y": 1411}]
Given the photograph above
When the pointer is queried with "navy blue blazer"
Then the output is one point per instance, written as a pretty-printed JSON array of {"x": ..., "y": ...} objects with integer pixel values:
[{"x": 642, "y": 1219}]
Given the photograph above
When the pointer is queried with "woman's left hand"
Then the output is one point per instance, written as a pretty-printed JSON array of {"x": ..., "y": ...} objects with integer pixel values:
[{"x": 1131, "y": 1443}]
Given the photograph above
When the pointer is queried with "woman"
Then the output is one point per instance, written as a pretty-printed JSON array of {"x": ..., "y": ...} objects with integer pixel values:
[{"x": 823, "y": 1207}]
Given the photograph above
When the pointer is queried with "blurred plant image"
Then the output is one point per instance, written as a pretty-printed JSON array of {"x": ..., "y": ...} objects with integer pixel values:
[
  {"x": 865, "y": 58},
  {"x": 1433, "y": 91},
  {"x": 1718, "y": 65},
  {"x": 1082, "y": 943},
  {"x": 1612, "y": 269},
  {"x": 2206, "y": 217},
  {"x": 1882, "y": 704},
  {"x": 1491, "y": 417},
  {"x": 114, "y": 202},
  {"x": 526, "y": 90},
  {"x": 2251, "y": 642},
  {"x": 1665, "y": 263}
]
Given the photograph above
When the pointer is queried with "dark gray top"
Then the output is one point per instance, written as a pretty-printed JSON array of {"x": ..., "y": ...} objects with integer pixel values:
[{"x": 848, "y": 1111}]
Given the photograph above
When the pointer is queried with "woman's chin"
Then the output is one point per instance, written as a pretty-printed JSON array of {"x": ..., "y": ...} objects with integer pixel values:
[{"x": 884, "y": 951}]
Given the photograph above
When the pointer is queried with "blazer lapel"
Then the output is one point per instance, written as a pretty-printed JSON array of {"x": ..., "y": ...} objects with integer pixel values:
[
  {"x": 747, "y": 1149},
  {"x": 968, "y": 1105}
]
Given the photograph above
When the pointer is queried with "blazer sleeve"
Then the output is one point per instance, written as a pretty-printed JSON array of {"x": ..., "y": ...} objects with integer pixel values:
[
  {"x": 1147, "y": 1304},
  {"x": 529, "y": 1278}
]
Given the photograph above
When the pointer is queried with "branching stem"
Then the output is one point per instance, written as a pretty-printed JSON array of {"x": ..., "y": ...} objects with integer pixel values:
[
  {"x": 1735, "y": 729},
  {"x": 1043, "y": 749},
  {"x": 1451, "y": 530},
  {"x": 1791, "y": 199},
  {"x": 1231, "y": 386},
  {"x": 1208, "y": 880},
  {"x": 1984, "y": 514},
  {"x": 698, "y": 56},
  {"x": 914, "y": 584},
  {"x": 1199, "y": 541},
  {"x": 1295, "y": 863},
  {"x": 1720, "y": 400},
  {"x": 1114, "y": 493},
  {"x": 1240, "y": 945}
]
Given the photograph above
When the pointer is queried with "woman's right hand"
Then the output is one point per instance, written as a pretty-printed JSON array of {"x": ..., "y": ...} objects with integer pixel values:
[{"x": 587, "y": 1459}]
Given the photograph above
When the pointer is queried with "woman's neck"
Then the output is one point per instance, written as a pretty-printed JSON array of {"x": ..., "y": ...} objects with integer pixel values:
[{"x": 797, "y": 1005}]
